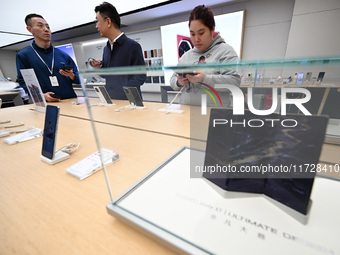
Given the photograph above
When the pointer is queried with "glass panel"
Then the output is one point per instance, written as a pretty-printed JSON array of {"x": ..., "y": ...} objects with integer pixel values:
[
  {"x": 320, "y": 76},
  {"x": 156, "y": 130}
]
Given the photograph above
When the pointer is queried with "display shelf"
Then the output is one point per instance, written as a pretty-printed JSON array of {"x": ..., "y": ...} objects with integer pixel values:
[
  {"x": 239, "y": 65},
  {"x": 271, "y": 74},
  {"x": 263, "y": 73}
]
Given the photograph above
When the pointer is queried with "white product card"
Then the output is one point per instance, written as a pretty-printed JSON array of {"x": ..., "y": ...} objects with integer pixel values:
[
  {"x": 92, "y": 163},
  {"x": 25, "y": 136}
]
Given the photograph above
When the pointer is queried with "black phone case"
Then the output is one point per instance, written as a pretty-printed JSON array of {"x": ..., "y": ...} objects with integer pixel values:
[{"x": 67, "y": 68}]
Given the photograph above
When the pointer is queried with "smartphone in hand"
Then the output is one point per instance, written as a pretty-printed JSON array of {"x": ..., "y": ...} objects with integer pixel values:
[
  {"x": 184, "y": 74},
  {"x": 67, "y": 68},
  {"x": 55, "y": 96}
]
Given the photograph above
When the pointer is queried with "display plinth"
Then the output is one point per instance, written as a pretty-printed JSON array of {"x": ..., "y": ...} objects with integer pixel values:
[
  {"x": 190, "y": 216},
  {"x": 58, "y": 157},
  {"x": 130, "y": 107},
  {"x": 302, "y": 218}
]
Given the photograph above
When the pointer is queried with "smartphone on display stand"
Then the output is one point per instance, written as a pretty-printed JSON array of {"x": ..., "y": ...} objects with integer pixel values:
[
  {"x": 133, "y": 96},
  {"x": 299, "y": 79},
  {"x": 320, "y": 76},
  {"x": 103, "y": 95},
  {"x": 50, "y": 131},
  {"x": 308, "y": 76},
  {"x": 257, "y": 80}
]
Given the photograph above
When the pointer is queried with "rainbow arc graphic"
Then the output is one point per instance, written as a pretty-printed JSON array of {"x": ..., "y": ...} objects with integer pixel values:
[{"x": 210, "y": 94}]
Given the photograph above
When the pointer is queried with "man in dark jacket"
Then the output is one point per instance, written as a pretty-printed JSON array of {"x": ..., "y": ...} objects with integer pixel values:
[{"x": 119, "y": 51}]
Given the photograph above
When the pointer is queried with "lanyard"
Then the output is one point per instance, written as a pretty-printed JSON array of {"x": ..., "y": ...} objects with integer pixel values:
[{"x": 50, "y": 70}]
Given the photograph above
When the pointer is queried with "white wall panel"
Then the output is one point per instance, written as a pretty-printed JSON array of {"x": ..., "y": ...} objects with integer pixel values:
[{"x": 315, "y": 34}]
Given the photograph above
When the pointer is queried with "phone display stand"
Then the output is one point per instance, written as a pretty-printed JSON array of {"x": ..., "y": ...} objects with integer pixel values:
[
  {"x": 80, "y": 100},
  {"x": 135, "y": 107},
  {"x": 58, "y": 157},
  {"x": 130, "y": 107},
  {"x": 172, "y": 108},
  {"x": 105, "y": 104},
  {"x": 166, "y": 110}
]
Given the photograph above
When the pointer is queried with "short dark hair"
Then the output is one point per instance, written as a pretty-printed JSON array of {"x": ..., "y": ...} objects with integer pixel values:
[
  {"x": 204, "y": 13},
  {"x": 30, "y": 16},
  {"x": 108, "y": 10}
]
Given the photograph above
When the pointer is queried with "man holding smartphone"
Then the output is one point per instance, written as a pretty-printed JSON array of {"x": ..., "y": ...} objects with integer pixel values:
[
  {"x": 119, "y": 51},
  {"x": 55, "y": 69}
]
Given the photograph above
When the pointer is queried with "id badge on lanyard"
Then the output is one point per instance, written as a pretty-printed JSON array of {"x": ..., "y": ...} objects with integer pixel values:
[{"x": 54, "y": 81}]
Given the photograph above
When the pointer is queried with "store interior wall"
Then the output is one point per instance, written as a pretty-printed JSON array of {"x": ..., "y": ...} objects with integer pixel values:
[
  {"x": 7, "y": 63},
  {"x": 271, "y": 30},
  {"x": 315, "y": 29}
]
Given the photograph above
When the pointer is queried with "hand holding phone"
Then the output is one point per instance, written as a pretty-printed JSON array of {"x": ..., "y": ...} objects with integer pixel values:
[
  {"x": 182, "y": 80},
  {"x": 196, "y": 77},
  {"x": 96, "y": 63},
  {"x": 55, "y": 96}
]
